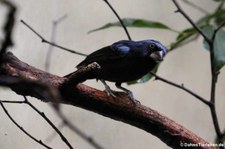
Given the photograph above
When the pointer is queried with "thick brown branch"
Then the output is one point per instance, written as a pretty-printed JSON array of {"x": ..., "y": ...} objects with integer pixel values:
[{"x": 97, "y": 101}]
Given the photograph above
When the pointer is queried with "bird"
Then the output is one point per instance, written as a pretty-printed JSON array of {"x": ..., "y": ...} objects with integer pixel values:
[{"x": 125, "y": 61}]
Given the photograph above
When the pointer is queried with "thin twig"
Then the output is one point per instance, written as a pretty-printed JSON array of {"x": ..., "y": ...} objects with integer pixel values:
[
  {"x": 49, "y": 122},
  {"x": 118, "y": 17},
  {"x": 179, "y": 9},
  {"x": 8, "y": 26},
  {"x": 54, "y": 134},
  {"x": 88, "y": 139},
  {"x": 12, "y": 101},
  {"x": 49, "y": 53},
  {"x": 216, "y": 30},
  {"x": 42, "y": 90},
  {"x": 21, "y": 128},
  {"x": 65, "y": 122},
  {"x": 196, "y": 7},
  {"x": 77, "y": 130},
  {"x": 214, "y": 72},
  {"x": 60, "y": 19},
  {"x": 215, "y": 121},
  {"x": 183, "y": 88},
  {"x": 50, "y": 43},
  {"x": 220, "y": 6}
]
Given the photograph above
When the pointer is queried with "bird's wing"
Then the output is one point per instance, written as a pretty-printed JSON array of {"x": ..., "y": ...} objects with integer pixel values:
[{"x": 107, "y": 54}]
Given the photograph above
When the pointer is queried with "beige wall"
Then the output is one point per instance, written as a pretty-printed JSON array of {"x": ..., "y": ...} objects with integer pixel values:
[{"x": 188, "y": 65}]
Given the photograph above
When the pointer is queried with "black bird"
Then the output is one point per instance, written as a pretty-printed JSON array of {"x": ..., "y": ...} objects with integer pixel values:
[{"x": 125, "y": 61}]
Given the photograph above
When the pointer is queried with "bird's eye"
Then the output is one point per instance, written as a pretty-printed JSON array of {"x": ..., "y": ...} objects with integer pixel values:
[{"x": 152, "y": 46}]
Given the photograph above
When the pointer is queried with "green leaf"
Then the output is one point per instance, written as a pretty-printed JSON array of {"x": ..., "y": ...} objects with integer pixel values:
[
  {"x": 131, "y": 22},
  {"x": 219, "y": 45},
  {"x": 182, "y": 37},
  {"x": 145, "y": 78},
  {"x": 187, "y": 34}
]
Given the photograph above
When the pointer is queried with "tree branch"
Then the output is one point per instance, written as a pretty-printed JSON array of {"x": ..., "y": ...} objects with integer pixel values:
[
  {"x": 214, "y": 72},
  {"x": 8, "y": 26},
  {"x": 49, "y": 122},
  {"x": 97, "y": 101},
  {"x": 196, "y": 7},
  {"x": 213, "y": 84},
  {"x": 22, "y": 129},
  {"x": 179, "y": 9},
  {"x": 55, "y": 24},
  {"x": 118, "y": 17},
  {"x": 89, "y": 139},
  {"x": 50, "y": 43},
  {"x": 183, "y": 88}
]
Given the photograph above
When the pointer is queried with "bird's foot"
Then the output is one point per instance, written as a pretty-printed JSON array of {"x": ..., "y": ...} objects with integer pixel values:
[
  {"x": 129, "y": 93},
  {"x": 118, "y": 85},
  {"x": 132, "y": 99},
  {"x": 110, "y": 92},
  {"x": 108, "y": 89}
]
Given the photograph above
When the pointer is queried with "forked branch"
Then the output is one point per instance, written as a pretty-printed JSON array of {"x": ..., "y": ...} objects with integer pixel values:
[{"x": 98, "y": 101}]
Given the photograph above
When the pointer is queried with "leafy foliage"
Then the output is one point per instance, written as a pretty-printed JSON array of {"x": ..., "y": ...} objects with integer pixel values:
[
  {"x": 182, "y": 37},
  {"x": 207, "y": 23},
  {"x": 219, "y": 45}
]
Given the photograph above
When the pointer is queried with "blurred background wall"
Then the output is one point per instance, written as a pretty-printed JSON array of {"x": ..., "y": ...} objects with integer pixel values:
[{"x": 189, "y": 65}]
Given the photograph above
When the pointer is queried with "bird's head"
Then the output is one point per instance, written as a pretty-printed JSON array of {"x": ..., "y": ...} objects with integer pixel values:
[{"x": 157, "y": 50}]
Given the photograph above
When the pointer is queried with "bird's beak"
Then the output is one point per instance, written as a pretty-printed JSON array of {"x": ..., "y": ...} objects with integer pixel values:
[{"x": 157, "y": 56}]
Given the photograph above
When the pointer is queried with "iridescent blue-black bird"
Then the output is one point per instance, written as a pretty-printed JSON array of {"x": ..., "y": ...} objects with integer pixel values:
[{"x": 125, "y": 61}]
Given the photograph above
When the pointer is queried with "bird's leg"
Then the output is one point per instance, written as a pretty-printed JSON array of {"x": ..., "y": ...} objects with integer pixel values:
[
  {"x": 129, "y": 93},
  {"x": 108, "y": 89}
]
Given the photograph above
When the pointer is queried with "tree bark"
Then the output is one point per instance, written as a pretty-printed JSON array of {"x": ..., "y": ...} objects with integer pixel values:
[{"x": 80, "y": 95}]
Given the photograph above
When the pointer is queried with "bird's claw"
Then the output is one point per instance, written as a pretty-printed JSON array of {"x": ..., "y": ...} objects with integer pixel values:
[
  {"x": 110, "y": 92},
  {"x": 129, "y": 94},
  {"x": 132, "y": 99},
  {"x": 108, "y": 89}
]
